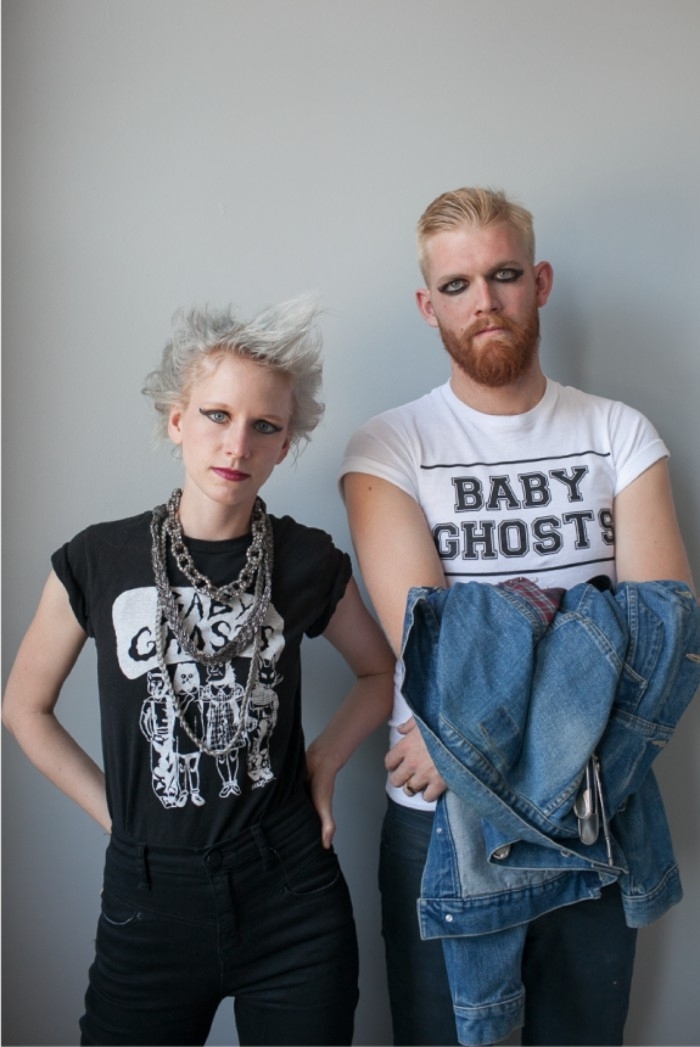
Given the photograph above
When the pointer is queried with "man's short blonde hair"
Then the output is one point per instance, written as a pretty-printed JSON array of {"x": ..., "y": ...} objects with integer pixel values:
[{"x": 473, "y": 206}]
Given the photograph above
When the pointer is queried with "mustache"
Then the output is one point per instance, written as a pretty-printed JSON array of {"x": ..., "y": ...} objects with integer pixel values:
[{"x": 502, "y": 323}]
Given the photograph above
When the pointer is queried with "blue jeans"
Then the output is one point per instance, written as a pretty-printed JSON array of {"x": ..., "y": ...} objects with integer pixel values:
[
  {"x": 265, "y": 918},
  {"x": 419, "y": 993},
  {"x": 576, "y": 968}
]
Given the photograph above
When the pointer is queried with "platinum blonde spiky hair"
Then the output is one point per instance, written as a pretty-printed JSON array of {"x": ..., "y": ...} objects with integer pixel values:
[{"x": 284, "y": 337}]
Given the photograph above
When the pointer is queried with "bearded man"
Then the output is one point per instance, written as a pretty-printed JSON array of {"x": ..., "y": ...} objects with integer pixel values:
[{"x": 500, "y": 473}]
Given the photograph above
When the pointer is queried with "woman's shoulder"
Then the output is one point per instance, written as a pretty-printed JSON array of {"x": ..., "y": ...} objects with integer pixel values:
[
  {"x": 290, "y": 532},
  {"x": 115, "y": 533},
  {"x": 305, "y": 549}
]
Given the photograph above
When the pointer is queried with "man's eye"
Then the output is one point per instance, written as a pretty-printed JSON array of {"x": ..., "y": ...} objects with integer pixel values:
[
  {"x": 454, "y": 287},
  {"x": 505, "y": 276}
]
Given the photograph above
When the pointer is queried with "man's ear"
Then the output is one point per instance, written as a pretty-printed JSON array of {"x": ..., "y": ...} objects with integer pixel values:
[
  {"x": 544, "y": 278},
  {"x": 425, "y": 306}
]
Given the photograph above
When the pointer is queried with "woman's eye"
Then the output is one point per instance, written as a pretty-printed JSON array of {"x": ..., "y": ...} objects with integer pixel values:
[
  {"x": 267, "y": 427},
  {"x": 506, "y": 276},
  {"x": 454, "y": 287},
  {"x": 219, "y": 417}
]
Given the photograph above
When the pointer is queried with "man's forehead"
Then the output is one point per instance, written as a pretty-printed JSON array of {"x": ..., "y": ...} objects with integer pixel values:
[{"x": 476, "y": 246}]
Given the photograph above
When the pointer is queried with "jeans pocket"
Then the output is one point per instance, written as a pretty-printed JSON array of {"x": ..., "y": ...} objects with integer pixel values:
[
  {"x": 118, "y": 912},
  {"x": 310, "y": 870},
  {"x": 406, "y": 834}
]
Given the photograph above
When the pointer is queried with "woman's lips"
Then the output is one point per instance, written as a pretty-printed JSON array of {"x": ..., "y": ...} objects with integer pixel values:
[{"x": 230, "y": 474}]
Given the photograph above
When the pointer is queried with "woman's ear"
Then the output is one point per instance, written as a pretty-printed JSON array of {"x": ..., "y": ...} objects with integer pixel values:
[
  {"x": 175, "y": 424},
  {"x": 285, "y": 450}
]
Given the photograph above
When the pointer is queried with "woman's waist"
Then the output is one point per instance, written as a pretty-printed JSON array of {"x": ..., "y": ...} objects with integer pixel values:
[{"x": 275, "y": 824}]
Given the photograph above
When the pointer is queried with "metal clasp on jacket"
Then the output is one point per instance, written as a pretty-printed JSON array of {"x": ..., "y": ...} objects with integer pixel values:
[{"x": 589, "y": 808}]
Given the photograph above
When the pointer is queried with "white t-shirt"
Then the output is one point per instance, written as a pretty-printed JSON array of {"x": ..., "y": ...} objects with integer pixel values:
[{"x": 510, "y": 495}]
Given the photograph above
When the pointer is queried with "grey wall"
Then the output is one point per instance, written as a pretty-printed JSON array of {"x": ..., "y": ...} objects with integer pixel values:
[{"x": 159, "y": 153}]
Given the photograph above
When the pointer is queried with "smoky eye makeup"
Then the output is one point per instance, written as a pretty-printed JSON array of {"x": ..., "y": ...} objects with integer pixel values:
[
  {"x": 507, "y": 274},
  {"x": 453, "y": 287},
  {"x": 263, "y": 426}
]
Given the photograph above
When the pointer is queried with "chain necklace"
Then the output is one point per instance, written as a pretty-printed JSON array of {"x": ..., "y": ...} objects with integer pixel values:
[
  {"x": 236, "y": 739},
  {"x": 254, "y": 556},
  {"x": 257, "y": 566}
]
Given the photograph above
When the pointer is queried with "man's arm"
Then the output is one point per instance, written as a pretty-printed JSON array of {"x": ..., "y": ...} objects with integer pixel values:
[
  {"x": 395, "y": 551},
  {"x": 394, "y": 547},
  {"x": 648, "y": 542}
]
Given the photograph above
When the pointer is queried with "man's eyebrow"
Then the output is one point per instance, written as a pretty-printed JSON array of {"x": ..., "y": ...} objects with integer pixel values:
[{"x": 509, "y": 263}]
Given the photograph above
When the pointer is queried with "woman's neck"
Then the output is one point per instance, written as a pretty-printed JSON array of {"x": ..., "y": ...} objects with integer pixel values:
[{"x": 210, "y": 522}]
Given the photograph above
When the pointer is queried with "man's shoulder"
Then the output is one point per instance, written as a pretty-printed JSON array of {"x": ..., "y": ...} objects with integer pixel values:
[
  {"x": 405, "y": 414},
  {"x": 389, "y": 444},
  {"x": 579, "y": 400}
]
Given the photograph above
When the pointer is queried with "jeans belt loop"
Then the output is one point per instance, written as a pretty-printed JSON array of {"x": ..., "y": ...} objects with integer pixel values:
[
  {"x": 144, "y": 881},
  {"x": 264, "y": 849}
]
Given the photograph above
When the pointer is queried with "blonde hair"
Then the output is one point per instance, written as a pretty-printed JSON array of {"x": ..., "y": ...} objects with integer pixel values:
[{"x": 473, "y": 206}]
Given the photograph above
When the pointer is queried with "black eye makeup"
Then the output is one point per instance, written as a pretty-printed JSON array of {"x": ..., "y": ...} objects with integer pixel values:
[
  {"x": 507, "y": 275},
  {"x": 453, "y": 287},
  {"x": 457, "y": 285},
  {"x": 219, "y": 417},
  {"x": 264, "y": 426}
]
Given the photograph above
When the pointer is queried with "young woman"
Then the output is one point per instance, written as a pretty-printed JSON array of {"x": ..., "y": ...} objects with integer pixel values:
[{"x": 220, "y": 879}]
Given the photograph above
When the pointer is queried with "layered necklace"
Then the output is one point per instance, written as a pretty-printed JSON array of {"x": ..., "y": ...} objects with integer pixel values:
[{"x": 256, "y": 573}]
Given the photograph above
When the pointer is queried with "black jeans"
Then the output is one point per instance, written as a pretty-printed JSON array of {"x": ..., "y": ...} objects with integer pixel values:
[
  {"x": 577, "y": 961},
  {"x": 265, "y": 918}
]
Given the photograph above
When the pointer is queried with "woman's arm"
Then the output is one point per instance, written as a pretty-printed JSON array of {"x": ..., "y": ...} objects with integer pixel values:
[
  {"x": 356, "y": 635},
  {"x": 45, "y": 658}
]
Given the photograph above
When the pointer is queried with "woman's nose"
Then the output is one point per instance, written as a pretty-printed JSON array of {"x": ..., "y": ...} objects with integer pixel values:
[{"x": 237, "y": 443}]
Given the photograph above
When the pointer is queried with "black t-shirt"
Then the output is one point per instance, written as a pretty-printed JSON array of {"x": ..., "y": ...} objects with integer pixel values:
[{"x": 161, "y": 789}]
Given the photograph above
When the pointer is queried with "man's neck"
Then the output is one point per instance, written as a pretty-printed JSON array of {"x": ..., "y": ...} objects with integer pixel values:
[{"x": 516, "y": 398}]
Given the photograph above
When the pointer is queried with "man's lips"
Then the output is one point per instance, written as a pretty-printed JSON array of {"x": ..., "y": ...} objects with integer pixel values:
[
  {"x": 491, "y": 329},
  {"x": 230, "y": 474}
]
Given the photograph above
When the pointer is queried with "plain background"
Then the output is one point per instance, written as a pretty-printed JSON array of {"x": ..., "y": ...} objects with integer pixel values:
[{"x": 161, "y": 153}]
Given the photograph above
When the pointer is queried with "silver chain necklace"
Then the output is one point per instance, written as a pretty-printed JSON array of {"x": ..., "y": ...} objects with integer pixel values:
[
  {"x": 257, "y": 567},
  {"x": 254, "y": 556}
]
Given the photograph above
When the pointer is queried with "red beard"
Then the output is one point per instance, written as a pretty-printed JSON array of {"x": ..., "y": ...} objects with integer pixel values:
[{"x": 499, "y": 361}]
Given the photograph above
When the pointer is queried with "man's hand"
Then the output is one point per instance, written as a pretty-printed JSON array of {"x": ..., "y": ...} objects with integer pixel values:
[{"x": 410, "y": 766}]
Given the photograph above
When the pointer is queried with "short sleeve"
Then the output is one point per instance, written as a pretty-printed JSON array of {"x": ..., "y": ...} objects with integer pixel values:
[
  {"x": 69, "y": 564},
  {"x": 382, "y": 448},
  {"x": 339, "y": 574},
  {"x": 310, "y": 575},
  {"x": 635, "y": 442}
]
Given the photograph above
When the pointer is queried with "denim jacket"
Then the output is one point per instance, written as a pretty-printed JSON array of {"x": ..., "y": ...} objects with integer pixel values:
[{"x": 512, "y": 707}]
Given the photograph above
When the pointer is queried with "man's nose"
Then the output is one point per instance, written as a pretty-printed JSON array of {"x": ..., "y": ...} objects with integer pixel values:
[{"x": 486, "y": 297}]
